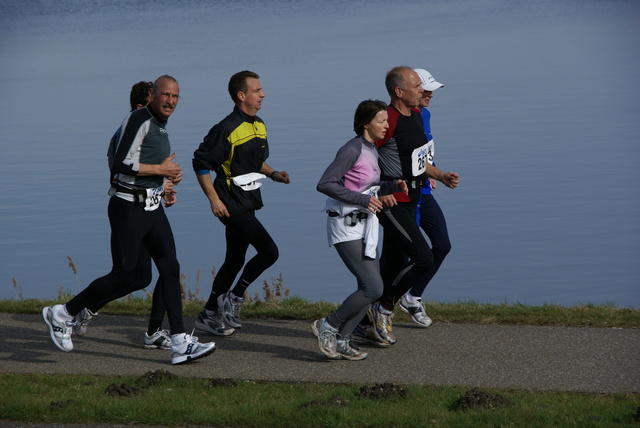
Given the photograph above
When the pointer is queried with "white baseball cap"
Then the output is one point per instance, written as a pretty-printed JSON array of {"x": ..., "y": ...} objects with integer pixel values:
[{"x": 427, "y": 80}]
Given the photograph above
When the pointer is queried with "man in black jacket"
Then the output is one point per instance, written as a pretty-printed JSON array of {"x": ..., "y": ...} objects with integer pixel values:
[{"x": 236, "y": 149}]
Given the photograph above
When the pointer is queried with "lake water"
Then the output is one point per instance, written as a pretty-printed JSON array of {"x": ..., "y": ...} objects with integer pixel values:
[{"x": 539, "y": 115}]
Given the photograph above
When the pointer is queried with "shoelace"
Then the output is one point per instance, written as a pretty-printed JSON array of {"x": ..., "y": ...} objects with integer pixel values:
[
  {"x": 235, "y": 306},
  {"x": 386, "y": 321},
  {"x": 330, "y": 337},
  {"x": 66, "y": 330}
]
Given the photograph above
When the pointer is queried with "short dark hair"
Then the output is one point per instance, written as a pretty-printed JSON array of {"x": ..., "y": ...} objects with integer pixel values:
[
  {"x": 139, "y": 94},
  {"x": 395, "y": 79},
  {"x": 238, "y": 83},
  {"x": 365, "y": 113}
]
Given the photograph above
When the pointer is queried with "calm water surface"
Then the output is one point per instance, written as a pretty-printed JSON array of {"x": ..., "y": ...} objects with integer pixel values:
[{"x": 538, "y": 115}]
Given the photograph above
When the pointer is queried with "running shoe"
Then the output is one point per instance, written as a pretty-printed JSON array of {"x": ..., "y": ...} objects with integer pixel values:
[
  {"x": 327, "y": 338},
  {"x": 158, "y": 340},
  {"x": 83, "y": 319},
  {"x": 213, "y": 324},
  {"x": 417, "y": 312},
  {"x": 382, "y": 323},
  {"x": 59, "y": 329},
  {"x": 229, "y": 308},
  {"x": 190, "y": 350},
  {"x": 349, "y": 351},
  {"x": 366, "y": 334}
]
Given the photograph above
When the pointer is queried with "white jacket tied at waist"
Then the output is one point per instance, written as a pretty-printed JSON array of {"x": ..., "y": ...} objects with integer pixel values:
[{"x": 366, "y": 229}]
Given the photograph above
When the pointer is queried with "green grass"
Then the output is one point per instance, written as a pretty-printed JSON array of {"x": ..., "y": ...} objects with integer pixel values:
[
  {"x": 181, "y": 401},
  {"x": 187, "y": 402},
  {"x": 461, "y": 312}
]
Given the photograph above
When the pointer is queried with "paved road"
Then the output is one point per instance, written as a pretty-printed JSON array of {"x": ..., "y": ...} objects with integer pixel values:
[{"x": 485, "y": 356}]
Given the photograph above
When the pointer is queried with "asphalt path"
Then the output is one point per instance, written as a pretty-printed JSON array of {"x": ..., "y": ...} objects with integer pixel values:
[{"x": 596, "y": 360}]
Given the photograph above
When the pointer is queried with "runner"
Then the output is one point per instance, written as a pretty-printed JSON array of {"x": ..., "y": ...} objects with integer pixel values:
[
  {"x": 352, "y": 182},
  {"x": 429, "y": 214},
  {"x": 403, "y": 153},
  {"x": 237, "y": 150},
  {"x": 141, "y": 162},
  {"x": 155, "y": 337}
]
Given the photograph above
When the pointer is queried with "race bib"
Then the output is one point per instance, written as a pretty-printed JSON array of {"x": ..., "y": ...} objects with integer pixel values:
[
  {"x": 431, "y": 151},
  {"x": 153, "y": 199},
  {"x": 420, "y": 157},
  {"x": 372, "y": 191},
  {"x": 249, "y": 181}
]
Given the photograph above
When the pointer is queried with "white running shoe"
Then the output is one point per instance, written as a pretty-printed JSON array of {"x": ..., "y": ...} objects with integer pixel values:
[
  {"x": 190, "y": 349},
  {"x": 59, "y": 329},
  {"x": 213, "y": 324},
  {"x": 83, "y": 319},
  {"x": 158, "y": 340},
  {"x": 327, "y": 338},
  {"x": 229, "y": 308},
  {"x": 417, "y": 312}
]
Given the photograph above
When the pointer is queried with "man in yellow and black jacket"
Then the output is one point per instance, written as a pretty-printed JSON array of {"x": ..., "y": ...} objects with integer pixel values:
[{"x": 236, "y": 149}]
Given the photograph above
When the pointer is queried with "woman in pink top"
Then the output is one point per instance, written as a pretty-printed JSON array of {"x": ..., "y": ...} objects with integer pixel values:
[{"x": 352, "y": 182}]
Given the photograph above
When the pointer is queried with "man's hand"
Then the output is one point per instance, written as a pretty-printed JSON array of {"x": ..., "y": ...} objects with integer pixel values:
[
  {"x": 219, "y": 209},
  {"x": 433, "y": 183},
  {"x": 171, "y": 170},
  {"x": 178, "y": 178},
  {"x": 403, "y": 186},
  {"x": 281, "y": 177},
  {"x": 169, "y": 199},
  {"x": 169, "y": 194},
  {"x": 451, "y": 179},
  {"x": 388, "y": 200}
]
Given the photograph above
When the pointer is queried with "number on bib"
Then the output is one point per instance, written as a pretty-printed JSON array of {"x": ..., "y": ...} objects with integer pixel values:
[
  {"x": 419, "y": 159},
  {"x": 153, "y": 199}
]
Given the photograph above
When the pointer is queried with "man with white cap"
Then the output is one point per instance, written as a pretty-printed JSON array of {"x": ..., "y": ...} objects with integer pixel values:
[{"x": 428, "y": 214}]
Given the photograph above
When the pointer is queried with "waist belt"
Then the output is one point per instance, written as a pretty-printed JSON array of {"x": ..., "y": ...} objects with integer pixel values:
[
  {"x": 416, "y": 184},
  {"x": 352, "y": 218},
  {"x": 139, "y": 193}
]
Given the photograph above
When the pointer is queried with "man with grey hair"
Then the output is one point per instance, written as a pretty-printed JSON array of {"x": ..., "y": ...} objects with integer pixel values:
[
  {"x": 429, "y": 214},
  {"x": 403, "y": 154},
  {"x": 140, "y": 163}
]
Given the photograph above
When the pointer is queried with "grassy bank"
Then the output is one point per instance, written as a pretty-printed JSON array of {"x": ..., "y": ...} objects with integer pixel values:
[{"x": 460, "y": 312}]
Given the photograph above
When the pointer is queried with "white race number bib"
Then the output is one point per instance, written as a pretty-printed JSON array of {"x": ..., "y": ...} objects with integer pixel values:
[
  {"x": 431, "y": 151},
  {"x": 372, "y": 191},
  {"x": 153, "y": 199},
  {"x": 419, "y": 159}
]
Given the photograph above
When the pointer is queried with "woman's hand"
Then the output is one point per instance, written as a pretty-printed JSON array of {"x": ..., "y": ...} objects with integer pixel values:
[{"x": 374, "y": 205}]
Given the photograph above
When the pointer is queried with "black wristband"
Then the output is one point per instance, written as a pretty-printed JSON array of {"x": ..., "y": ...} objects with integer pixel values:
[{"x": 272, "y": 174}]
